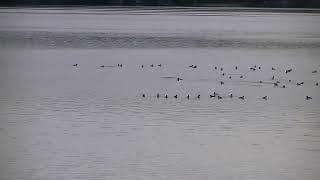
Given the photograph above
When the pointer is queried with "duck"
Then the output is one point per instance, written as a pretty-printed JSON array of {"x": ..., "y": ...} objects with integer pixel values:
[
  {"x": 212, "y": 96},
  {"x": 255, "y": 66},
  {"x": 102, "y": 66},
  {"x": 260, "y": 81},
  {"x": 191, "y": 66},
  {"x": 158, "y": 95},
  {"x": 289, "y": 70},
  {"x": 299, "y": 84},
  {"x": 283, "y": 86},
  {"x": 166, "y": 96},
  {"x": 236, "y": 67},
  {"x": 176, "y": 96},
  {"x": 198, "y": 96},
  {"x": 241, "y": 77},
  {"x": 241, "y": 97},
  {"x": 179, "y": 79},
  {"x": 188, "y": 97},
  {"x": 223, "y": 74},
  {"x": 289, "y": 80},
  {"x": 221, "y": 82},
  {"x": 219, "y": 97},
  {"x": 143, "y": 95},
  {"x": 231, "y": 95},
  {"x": 151, "y": 65},
  {"x": 253, "y": 69},
  {"x": 75, "y": 65},
  {"x": 272, "y": 78},
  {"x": 221, "y": 69},
  {"x": 317, "y": 84},
  {"x": 264, "y": 97},
  {"x": 230, "y": 77},
  {"x": 315, "y": 71},
  {"x": 159, "y": 65},
  {"x": 259, "y": 67},
  {"x": 273, "y": 69},
  {"x": 275, "y": 84},
  {"x": 142, "y": 66},
  {"x": 308, "y": 97},
  {"x": 215, "y": 68}
]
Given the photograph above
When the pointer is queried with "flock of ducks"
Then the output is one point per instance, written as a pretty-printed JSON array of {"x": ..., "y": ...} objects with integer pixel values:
[{"x": 216, "y": 95}]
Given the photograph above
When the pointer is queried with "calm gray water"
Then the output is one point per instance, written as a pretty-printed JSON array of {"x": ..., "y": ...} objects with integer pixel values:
[{"x": 58, "y": 121}]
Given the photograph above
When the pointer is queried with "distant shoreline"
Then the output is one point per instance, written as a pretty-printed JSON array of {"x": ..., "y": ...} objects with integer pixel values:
[{"x": 199, "y": 8}]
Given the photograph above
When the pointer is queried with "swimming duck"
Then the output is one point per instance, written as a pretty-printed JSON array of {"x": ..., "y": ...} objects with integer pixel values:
[
  {"x": 272, "y": 78},
  {"x": 253, "y": 69},
  {"x": 198, "y": 96},
  {"x": 219, "y": 97},
  {"x": 264, "y": 97},
  {"x": 179, "y": 79},
  {"x": 166, "y": 96},
  {"x": 215, "y": 67},
  {"x": 283, "y": 86},
  {"x": 75, "y": 65},
  {"x": 151, "y": 65},
  {"x": 142, "y": 66},
  {"x": 176, "y": 96},
  {"x": 259, "y": 67},
  {"x": 221, "y": 82},
  {"x": 158, "y": 95},
  {"x": 231, "y": 95},
  {"x": 159, "y": 65},
  {"x": 188, "y": 97},
  {"x": 230, "y": 77},
  {"x": 317, "y": 84},
  {"x": 102, "y": 66},
  {"x": 236, "y": 67},
  {"x": 191, "y": 66},
  {"x": 212, "y": 96},
  {"x": 221, "y": 69},
  {"x": 289, "y": 70},
  {"x": 241, "y": 77},
  {"x": 308, "y": 97},
  {"x": 315, "y": 71},
  {"x": 273, "y": 69},
  {"x": 143, "y": 95},
  {"x": 242, "y": 97}
]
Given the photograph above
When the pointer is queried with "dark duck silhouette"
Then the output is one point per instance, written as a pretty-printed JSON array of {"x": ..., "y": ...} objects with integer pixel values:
[
  {"x": 273, "y": 69},
  {"x": 176, "y": 96},
  {"x": 75, "y": 65},
  {"x": 315, "y": 71},
  {"x": 159, "y": 65},
  {"x": 143, "y": 95},
  {"x": 253, "y": 69},
  {"x": 308, "y": 97},
  {"x": 221, "y": 82},
  {"x": 236, "y": 67},
  {"x": 158, "y": 95},
  {"x": 166, "y": 96},
  {"x": 265, "y": 97},
  {"x": 317, "y": 84},
  {"x": 188, "y": 97},
  {"x": 151, "y": 65},
  {"x": 289, "y": 70},
  {"x": 241, "y": 97},
  {"x": 219, "y": 97},
  {"x": 102, "y": 66},
  {"x": 299, "y": 84},
  {"x": 179, "y": 79},
  {"x": 198, "y": 96},
  {"x": 191, "y": 66},
  {"x": 231, "y": 95},
  {"x": 241, "y": 77}
]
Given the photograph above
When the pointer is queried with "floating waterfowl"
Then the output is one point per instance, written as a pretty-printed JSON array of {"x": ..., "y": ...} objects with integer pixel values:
[
  {"x": 158, "y": 95},
  {"x": 212, "y": 96},
  {"x": 176, "y": 96},
  {"x": 75, "y": 65},
  {"x": 283, "y": 86},
  {"x": 221, "y": 69},
  {"x": 241, "y": 97},
  {"x": 259, "y": 67},
  {"x": 179, "y": 79},
  {"x": 188, "y": 97},
  {"x": 102, "y": 66},
  {"x": 198, "y": 96},
  {"x": 191, "y": 66},
  {"x": 273, "y": 69},
  {"x": 151, "y": 65},
  {"x": 241, "y": 77},
  {"x": 264, "y": 97},
  {"x": 231, "y": 95},
  {"x": 315, "y": 71},
  {"x": 253, "y": 69},
  {"x": 143, "y": 95},
  {"x": 260, "y": 82},
  {"x": 215, "y": 67},
  {"x": 142, "y": 66},
  {"x": 159, "y": 65},
  {"x": 230, "y": 77},
  {"x": 221, "y": 82},
  {"x": 308, "y": 97},
  {"x": 289, "y": 70},
  {"x": 236, "y": 67},
  {"x": 272, "y": 78},
  {"x": 166, "y": 96},
  {"x": 317, "y": 84},
  {"x": 219, "y": 97}
]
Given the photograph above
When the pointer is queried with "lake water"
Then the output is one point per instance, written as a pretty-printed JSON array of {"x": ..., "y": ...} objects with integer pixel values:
[{"x": 58, "y": 121}]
